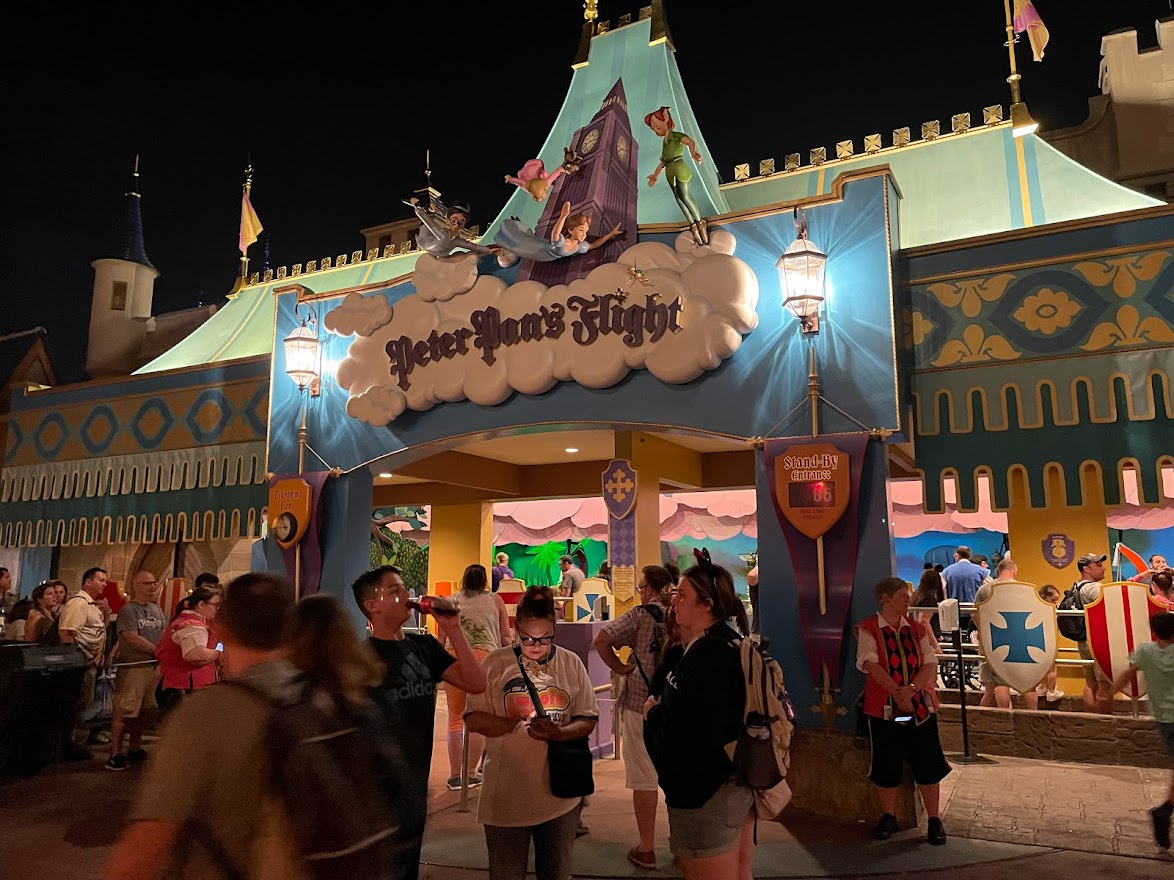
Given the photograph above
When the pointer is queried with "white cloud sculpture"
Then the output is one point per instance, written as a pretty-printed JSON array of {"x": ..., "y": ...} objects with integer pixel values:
[
  {"x": 442, "y": 278},
  {"x": 358, "y": 314},
  {"x": 446, "y": 350}
]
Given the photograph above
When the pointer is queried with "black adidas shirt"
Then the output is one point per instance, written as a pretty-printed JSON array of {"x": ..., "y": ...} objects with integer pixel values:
[{"x": 407, "y": 696}]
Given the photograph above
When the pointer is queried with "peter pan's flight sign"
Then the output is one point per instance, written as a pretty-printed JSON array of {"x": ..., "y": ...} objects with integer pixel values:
[{"x": 487, "y": 330}]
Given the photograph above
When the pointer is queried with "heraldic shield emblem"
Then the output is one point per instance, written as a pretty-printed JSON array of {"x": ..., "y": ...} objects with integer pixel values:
[
  {"x": 619, "y": 488},
  {"x": 1059, "y": 550},
  {"x": 1117, "y": 623},
  {"x": 1017, "y": 633}
]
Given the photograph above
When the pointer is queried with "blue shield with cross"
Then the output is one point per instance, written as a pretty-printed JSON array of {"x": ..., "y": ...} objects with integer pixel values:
[
  {"x": 619, "y": 488},
  {"x": 1017, "y": 632}
]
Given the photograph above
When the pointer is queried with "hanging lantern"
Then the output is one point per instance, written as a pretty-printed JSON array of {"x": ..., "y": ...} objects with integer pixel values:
[
  {"x": 801, "y": 271},
  {"x": 302, "y": 350}
]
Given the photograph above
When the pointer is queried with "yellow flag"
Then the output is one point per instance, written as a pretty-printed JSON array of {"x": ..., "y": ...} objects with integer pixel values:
[{"x": 250, "y": 224}]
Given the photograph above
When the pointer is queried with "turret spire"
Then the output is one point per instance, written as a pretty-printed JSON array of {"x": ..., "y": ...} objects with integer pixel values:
[{"x": 127, "y": 243}]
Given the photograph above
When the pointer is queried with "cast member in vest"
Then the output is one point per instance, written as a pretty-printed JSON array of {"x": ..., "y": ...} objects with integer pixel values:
[
  {"x": 692, "y": 728},
  {"x": 898, "y": 656},
  {"x": 187, "y": 651},
  {"x": 516, "y": 803},
  {"x": 486, "y": 625}
]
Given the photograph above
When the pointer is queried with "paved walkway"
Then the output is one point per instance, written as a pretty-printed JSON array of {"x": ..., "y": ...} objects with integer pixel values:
[
  {"x": 1016, "y": 816},
  {"x": 1088, "y": 807}
]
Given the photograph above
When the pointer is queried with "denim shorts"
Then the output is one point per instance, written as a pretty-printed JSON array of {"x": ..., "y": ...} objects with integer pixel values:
[
  {"x": 1166, "y": 730},
  {"x": 713, "y": 828}
]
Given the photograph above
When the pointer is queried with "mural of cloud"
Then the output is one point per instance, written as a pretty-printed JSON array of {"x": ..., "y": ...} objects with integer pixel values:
[
  {"x": 440, "y": 279},
  {"x": 358, "y": 314},
  {"x": 716, "y": 294}
]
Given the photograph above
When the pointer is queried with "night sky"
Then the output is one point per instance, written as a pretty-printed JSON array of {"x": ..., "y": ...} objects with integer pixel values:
[{"x": 336, "y": 107}]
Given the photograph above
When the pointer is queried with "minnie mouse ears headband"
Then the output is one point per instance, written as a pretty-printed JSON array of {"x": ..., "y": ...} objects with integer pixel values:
[{"x": 702, "y": 557}]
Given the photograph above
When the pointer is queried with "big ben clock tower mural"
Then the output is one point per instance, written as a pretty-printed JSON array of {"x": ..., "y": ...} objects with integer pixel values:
[{"x": 604, "y": 187}]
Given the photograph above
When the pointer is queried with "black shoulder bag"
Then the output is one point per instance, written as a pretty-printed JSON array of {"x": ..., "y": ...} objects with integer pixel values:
[{"x": 570, "y": 760}]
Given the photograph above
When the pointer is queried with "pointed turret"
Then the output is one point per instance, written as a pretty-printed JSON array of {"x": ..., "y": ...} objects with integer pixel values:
[
  {"x": 124, "y": 288},
  {"x": 127, "y": 241}
]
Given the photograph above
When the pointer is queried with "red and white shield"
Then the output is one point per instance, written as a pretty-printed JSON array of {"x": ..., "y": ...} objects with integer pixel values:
[{"x": 1117, "y": 623}]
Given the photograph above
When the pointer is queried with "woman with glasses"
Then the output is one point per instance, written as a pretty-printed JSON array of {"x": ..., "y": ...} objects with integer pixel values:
[
  {"x": 188, "y": 651},
  {"x": 693, "y": 724},
  {"x": 516, "y": 803}
]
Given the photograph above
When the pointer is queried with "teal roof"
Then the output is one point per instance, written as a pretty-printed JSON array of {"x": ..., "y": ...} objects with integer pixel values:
[
  {"x": 244, "y": 327},
  {"x": 961, "y": 185},
  {"x": 651, "y": 81}
]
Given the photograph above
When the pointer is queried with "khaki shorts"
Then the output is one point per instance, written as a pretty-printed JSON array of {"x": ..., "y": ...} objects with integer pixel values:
[
  {"x": 134, "y": 690},
  {"x": 1092, "y": 674},
  {"x": 639, "y": 774}
]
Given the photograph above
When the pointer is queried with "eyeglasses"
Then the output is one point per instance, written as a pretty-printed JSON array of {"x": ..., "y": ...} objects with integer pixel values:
[{"x": 531, "y": 641}]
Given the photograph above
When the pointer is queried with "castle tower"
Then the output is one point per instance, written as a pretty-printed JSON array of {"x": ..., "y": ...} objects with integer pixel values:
[
  {"x": 605, "y": 187},
  {"x": 124, "y": 286}
]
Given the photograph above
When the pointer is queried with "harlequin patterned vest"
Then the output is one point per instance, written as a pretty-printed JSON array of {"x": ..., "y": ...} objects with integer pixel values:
[{"x": 901, "y": 658}]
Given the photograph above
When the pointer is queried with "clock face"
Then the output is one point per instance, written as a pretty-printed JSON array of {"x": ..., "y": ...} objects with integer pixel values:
[
  {"x": 622, "y": 147},
  {"x": 590, "y": 140}
]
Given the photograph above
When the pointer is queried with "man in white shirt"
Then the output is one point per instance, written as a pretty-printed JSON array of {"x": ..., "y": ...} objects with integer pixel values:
[{"x": 83, "y": 623}]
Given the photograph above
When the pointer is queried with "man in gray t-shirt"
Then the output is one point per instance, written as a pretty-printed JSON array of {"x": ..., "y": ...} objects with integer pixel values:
[
  {"x": 140, "y": 626},
  {"x": 572, "y": 576}
]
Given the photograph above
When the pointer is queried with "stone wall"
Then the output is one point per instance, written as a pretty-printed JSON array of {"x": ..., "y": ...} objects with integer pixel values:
[
  {"x": 1074, "y": 737},
  {"x": 829, "y": 779},
  {"x": 228, "y": 558}
]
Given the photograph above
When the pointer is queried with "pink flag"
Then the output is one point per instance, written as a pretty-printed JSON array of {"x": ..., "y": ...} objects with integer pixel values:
[{"x": 1027, "y": 19}]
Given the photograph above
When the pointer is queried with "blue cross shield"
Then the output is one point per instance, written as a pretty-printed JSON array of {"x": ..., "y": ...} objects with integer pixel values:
[
  {"x": 1017, "y": 632},
  {"x": 619, "y": 488}
]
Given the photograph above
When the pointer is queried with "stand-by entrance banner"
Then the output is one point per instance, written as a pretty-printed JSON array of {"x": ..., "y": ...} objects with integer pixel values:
[{"x": 814, "y": 486}]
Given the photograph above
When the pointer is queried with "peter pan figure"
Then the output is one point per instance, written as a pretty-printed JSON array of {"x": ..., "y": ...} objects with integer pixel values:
[
  {"x": 676, "y": 171},
  {"x": 440, "y": 231}
]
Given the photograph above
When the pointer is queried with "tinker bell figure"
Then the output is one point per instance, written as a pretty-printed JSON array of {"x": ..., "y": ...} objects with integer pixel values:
[
  {"x": 676, "y": 172},
  {"x": 567, "y": 238}
]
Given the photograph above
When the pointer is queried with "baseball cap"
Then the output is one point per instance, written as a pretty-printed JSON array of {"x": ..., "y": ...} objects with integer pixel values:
[{"x": 1088, "y": 558}]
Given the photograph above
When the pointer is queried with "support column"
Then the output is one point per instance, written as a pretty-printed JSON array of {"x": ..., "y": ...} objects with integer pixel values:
[
  {"x": 346, "y": 538},
  {"x": 460, "y": 535},
  {"x": 634, "y": 446},
  {"x": 1032, "y": 532}
]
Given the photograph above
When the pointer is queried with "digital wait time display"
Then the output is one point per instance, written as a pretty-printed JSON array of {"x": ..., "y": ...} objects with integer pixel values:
[{"x": 816, "y": 493}]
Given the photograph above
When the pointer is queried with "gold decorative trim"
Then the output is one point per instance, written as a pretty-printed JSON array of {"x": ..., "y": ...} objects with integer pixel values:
[
  {"x": 41, "y": 393},
  {"x": 845, "y": 150},
  {"x": 819, "y": 155},
  {"x": 835, "y": 194},
  {"x": 960, "y": 122},
  {"x": 901, "y": 136},
  {"x": 356, "y": 256},
  {"x": 872, "y": 143},
  {"x": 742, "y": 172},
  {"x": 930, "y": 130},
  {"x": 792, "y": 162},
  {"x": 280, "y": 272},
  {"x": 992, "y": 115},
  {"x": 766, "y": 167},
  {"x": 1100, "y": 253}
]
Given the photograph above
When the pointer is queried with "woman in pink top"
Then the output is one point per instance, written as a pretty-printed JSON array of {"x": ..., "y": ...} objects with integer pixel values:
[{"x": 187, "y": 651}]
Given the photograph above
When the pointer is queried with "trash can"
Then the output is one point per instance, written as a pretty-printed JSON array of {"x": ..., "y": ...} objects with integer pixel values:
[{"x": 39, "y": 687}]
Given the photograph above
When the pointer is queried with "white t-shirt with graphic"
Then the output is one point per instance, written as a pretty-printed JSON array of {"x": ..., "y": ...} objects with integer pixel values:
[{"x": 516, "y": 790}]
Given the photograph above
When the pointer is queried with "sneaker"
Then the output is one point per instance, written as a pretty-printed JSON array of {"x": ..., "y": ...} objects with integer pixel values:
[
  {"x": 937, "y": 832},
  {"x": 136, "y": 756},
  {"x": 117, "y": 762},
  {"x": 1161, "y": 819},
  {"x": 454, "y": 782},
  {"x": 642, "y": 858},
  {"x": 886, "y": 827}
]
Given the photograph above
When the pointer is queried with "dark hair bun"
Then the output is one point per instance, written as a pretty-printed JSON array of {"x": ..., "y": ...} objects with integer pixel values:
[{"x": 537, "y": 604}]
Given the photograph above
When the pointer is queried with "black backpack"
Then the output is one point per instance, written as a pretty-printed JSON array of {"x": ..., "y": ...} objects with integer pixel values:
[
  {"x": 339, "y": 779},
  {"x": 656, "y": 645},
  {"x": 1071, "y": 626}
]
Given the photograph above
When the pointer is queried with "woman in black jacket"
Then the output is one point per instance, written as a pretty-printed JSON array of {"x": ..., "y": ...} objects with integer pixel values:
[{"x": 690, "y": 726}]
